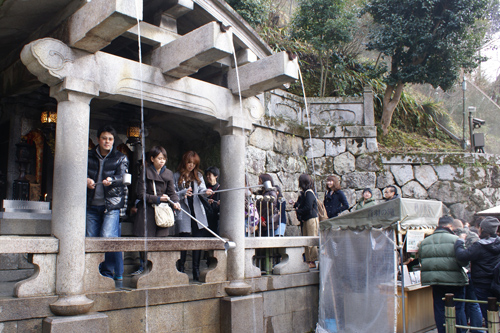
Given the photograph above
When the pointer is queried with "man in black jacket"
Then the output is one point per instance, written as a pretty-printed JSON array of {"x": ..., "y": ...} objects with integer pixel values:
[{"x": 105, "y": 197}]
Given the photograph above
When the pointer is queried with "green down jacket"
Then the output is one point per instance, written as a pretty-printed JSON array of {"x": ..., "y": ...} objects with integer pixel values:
[{"x": 437, "y": 257}]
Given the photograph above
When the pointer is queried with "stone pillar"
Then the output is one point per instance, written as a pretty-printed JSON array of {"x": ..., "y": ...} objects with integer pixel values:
[
  {"x": 232, "y": 215},
  {"x": 368, "y": 111},
  {"x": 69, "y": 196}
]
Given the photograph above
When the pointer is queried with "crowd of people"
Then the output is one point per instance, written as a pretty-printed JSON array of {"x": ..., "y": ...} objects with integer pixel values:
[{"x": 461, "y": 260}]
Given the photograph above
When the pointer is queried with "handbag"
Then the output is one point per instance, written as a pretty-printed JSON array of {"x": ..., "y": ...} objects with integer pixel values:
[
  {"x": 164, "y": 216},
  {"x": 322, "y": 214}
]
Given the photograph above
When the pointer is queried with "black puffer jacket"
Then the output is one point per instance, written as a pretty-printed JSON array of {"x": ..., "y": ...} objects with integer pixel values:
[
  {"x": 114, "y": 166},
  {"x": 483, "y": 256}
]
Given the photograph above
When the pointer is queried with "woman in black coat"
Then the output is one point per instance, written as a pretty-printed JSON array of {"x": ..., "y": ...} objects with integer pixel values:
[
  {"x": 145, "y": 224},
  {"x": 335, "y": 200},
  {"x": 307, "y": 213}
]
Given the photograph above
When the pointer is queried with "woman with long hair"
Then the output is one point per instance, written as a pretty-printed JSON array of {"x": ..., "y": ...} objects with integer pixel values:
[
  {"x": 335, "y": 201},
  {"x": 307, "y": 213},
  {"x": 188, "y": 180},
  {"x": 156, "y": 175}
]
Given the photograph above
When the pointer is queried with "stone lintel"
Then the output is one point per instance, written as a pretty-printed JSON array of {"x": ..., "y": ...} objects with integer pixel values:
[
  {"x": 234, "y": 126},
  {"x": 99, "y": 22},
  {"x": 94, "y": 322},
  {"x": 263, "y": 75},
  {"x": 151, "y": 34},
  {"x": 199, "y": 48}
]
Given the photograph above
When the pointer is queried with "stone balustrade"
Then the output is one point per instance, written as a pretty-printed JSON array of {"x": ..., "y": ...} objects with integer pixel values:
[
  {"x": 162, "y": 255},
  {"x": 290, "y": 248}
]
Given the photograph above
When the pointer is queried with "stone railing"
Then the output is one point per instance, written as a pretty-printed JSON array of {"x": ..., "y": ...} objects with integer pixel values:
[
  {"x": 162, "y": 255},
  {"x": 290, "y": 248}
]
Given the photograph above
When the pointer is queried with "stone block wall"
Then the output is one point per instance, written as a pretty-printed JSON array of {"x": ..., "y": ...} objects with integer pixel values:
[{"x": 285, "y": 145}]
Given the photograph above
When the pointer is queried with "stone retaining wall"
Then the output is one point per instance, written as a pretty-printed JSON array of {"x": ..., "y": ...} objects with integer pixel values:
[{"x": 282, "y": 145}]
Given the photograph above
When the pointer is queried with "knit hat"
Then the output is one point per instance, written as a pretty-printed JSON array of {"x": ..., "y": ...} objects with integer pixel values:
[{"x": 490, "y": 225}]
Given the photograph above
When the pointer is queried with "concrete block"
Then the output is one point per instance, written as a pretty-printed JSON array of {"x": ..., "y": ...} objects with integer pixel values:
[
  {"x": 24, "y": 227},
  {"x": 199, "y": 48},
  {"x": 94, "y": 322},
  {"x": 9, "y": 261},
  {"x": 279, "y": 323},
  {"x": 263, "y": 75},
  {"x": 242, "y": 314}
]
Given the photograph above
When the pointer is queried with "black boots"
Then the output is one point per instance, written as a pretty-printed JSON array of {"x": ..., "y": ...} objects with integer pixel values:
[
  {"x": 181, "y": 262},
  {"x": 196, "y": 265}
]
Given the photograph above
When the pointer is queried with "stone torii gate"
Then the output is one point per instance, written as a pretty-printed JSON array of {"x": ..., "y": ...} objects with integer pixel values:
[{"x": 72, "y": 65}]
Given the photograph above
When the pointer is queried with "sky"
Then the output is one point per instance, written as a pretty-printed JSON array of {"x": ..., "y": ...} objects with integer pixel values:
[{"x": 491, "y": 68}]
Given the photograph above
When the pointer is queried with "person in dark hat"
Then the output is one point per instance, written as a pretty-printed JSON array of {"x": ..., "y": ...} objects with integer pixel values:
[
  {"x": 443, "y": 271},
  {"x": 483, "y": 255},
  {"x": 366, "y": 199}
]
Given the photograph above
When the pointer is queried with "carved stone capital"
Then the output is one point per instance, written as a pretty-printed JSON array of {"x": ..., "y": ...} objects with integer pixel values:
[{"x": 48, "y": 59}]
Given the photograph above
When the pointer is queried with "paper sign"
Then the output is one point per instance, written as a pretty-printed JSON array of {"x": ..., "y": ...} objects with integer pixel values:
[{"x": 413, "y": 238}]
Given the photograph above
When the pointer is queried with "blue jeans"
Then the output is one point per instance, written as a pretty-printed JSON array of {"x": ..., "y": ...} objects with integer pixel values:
[
  {"x": 438, "y": 293},
  {"x": 280, "y": 231},
  {"x": 103, "y": 223},
  {"x": 472, "y": 310},
  {"x": 482, "y": 294}
]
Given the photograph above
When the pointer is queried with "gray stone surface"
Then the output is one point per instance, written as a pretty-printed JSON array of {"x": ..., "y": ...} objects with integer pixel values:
[
  {"x": 43, "y": 282},
  {"x": 413, "y": 189},
  {"x": 448, "y": 192},
  {"x": 344, "y": 163},
  {"x": 314, "y": 148},
  {"x": 476, "y": 177},
  {"x": 448, "y": 172},
  {"x": 425, "y": 175},
  {"x": 255, "y": 159},
  {"x": 402, "y": 173},
  {"x": 385, "y": 178},
  {"x": 242, "y": 314},
  {"x": 359, "y": 180},
  {"x": 95, "y": 322},
  {"x": 262, "y": 138},
  {"x": 288, "y": 144},
  {"x": 371, "y": 145},
  {"x": 368, "y": 162},
  {"x": 335, "y": 147},
  {"x": 356, "y": 146}
]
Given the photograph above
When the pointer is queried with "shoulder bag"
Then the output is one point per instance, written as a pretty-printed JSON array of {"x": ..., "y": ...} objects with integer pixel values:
[
  {"x": 322, "y": 214},
  {"x": 164, "y": 216}
]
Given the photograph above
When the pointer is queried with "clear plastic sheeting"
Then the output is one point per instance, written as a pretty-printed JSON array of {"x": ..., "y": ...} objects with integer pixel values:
[{"x": 357, "y": 281}]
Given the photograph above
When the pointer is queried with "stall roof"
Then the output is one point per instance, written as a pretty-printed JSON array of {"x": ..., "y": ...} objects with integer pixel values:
[
  {"x": 494, "y": 211},
  {"x": 414, "y": 214}
]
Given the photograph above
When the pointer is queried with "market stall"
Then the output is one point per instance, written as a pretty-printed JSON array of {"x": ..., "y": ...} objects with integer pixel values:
[{"x": 359, "y": 265}]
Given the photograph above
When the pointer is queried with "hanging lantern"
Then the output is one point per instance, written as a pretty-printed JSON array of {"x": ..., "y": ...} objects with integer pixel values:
[
  {"x": 48, "y": 117},
  {"x": 133, "y": 134}
]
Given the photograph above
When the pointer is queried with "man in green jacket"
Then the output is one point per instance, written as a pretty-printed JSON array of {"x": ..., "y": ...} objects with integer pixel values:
[{"x": 442, "y": 271}]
